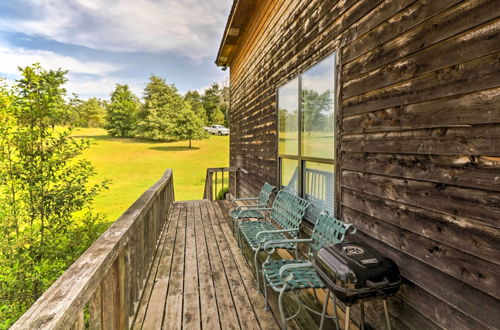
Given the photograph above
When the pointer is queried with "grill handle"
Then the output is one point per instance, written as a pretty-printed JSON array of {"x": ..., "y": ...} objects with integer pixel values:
[{"x": 374, "y": 285}]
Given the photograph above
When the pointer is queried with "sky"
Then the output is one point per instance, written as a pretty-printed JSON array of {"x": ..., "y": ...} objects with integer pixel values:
[{"x": 105, "y": 42}]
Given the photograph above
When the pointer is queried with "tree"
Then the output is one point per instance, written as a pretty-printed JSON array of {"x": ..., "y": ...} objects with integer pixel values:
[
  {"x": 316, "y": 108},
  {"x": 212, "y": 102},
  {"x": 162, "y": 104},
  {"x": 89, "y": 113},
  {"x": 121, "y": 112},
  {"x": 45, "y": 193},
  {"x": 218, "y": 117},
  {"x": 193, "y": 98},
  {"x": 189, "y": 127}
]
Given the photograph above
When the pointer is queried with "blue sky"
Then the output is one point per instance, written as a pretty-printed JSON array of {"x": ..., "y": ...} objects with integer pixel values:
[{"x": 105, "y": 42}]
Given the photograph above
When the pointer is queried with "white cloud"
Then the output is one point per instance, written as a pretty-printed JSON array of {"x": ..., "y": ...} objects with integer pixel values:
[
  {"x": 13, "y": 57},
  {"x": 86, "y": 78},
  {"x": 191, "y": 28}
]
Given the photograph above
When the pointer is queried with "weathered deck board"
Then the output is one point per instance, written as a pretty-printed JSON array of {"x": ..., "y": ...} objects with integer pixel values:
[{"x": 200, "y": 280}]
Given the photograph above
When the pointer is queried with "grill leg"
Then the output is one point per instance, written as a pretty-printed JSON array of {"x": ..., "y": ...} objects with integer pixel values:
[
  {"x": 325, "y": 305},
  {"x": 337, "y": 325},
  {"x": 386, "y": 313},
  {"x": 362, "y": 307},
  {"x": 347, "y": 317}
]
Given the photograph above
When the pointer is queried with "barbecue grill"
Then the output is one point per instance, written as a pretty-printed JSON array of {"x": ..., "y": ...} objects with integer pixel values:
[{"x": 355, "y": 273}]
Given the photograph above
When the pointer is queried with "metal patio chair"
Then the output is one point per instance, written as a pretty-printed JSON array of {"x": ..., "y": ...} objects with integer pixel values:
[
  {"x": 285, "y": 217},
  {"x": 249, "y": 211},
  {"x": 293, "y": 275}
]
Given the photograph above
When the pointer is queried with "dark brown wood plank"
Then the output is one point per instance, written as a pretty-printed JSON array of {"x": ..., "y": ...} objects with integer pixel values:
[
  {"x": 475, "y": 108},
  {"x": 478, "y": 205},
  {"x": 208, "y": 301},
  {"x": 227, "y": 312},
  {"x": 450, "y": 230},
  {"x": 173, "y": 305},
  {"x": 191, "y": 305},
  {"x": 148, "y": 289},
  {"x": 481, "y": 140},
  {"x": 467, "y": 171},
  {"x": 470, "y": 76},
  {"x": 478, "y": 42},
  {"x": 265, "y": 318},
  {"x": 156, "y": 303}
]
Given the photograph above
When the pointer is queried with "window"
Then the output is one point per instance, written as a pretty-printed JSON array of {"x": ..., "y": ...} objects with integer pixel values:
[{"x": 306, "y": 136}]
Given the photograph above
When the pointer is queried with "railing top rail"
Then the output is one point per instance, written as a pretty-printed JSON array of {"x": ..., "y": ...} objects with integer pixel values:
[
  {"x": 222, "y": 169},
  {"x": 60, "y": 304}
]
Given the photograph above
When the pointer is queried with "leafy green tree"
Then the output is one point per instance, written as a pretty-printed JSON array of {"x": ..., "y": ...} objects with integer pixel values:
[
  {"x": 211, "y": 102},
  {"x": 162, "y": 104},
  {"x": 45, "y": 194},
  {"x": 89, "y": 113},
  {"x": 193, "y": 98},
  {"x": 121, "y": 112},
  {"x": 218, "y": 117},
  {"x": 316, "y": 108},
  {"x": 189, "y": 127}
]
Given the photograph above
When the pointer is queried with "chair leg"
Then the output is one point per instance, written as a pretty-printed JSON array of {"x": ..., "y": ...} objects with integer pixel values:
[
  {"x": 256, "y": 262},
  {"x": 325, "y": 305},
  {"x": 284, "y": 324},
  {"x": 266, "y": 306}
]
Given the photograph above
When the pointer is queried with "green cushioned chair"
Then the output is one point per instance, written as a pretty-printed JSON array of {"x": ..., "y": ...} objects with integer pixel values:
[
  {"x": 285, "y": 217},
  {"x": 248, "y": 211},
  {"x": 292, "y": 275}
]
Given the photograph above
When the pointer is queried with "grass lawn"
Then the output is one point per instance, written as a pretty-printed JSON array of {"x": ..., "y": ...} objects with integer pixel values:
[{"x": 133, "y": 165}]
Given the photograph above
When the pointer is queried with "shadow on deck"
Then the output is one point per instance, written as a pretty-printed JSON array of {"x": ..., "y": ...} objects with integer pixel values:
[{"x": 199, "y": 278}]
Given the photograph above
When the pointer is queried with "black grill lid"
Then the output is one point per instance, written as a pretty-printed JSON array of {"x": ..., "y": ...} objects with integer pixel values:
[{"x": 354, "y": 271}]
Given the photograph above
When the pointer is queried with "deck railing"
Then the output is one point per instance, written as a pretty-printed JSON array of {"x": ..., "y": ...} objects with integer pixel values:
[
  {"x": 108, "y": 279},
  {"x": 216, "y": 180}
]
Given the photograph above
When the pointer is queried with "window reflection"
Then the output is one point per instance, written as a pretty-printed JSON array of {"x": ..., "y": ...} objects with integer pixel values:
[
  {"x": 289, "y": 174},
  {"x": 288, "y": 118},
  {"x": 319, "y": 185},
  {"x": 318, "y": 110}
]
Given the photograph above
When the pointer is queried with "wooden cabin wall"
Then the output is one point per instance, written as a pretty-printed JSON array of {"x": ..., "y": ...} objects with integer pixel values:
[{"x": 419, "y": 155}]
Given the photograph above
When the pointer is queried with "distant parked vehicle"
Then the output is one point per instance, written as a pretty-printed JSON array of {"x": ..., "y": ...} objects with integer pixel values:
[{"x": 217, "y": 129}]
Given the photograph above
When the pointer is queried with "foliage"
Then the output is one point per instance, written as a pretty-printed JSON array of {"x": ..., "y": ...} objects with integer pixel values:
[
  {"x": 89, "y": 113},
  {"x": 188, "y": 126},
  {"x": 162, "y": 103},
  {"x": 45, "y": 195},
  {"x": 121, "y": 112},
  {"x": 193, "y": 98},
  {"x": 316, "y": 108},
  {"x": 215, "y": 101},
  {"x": 221, "y": 195}
]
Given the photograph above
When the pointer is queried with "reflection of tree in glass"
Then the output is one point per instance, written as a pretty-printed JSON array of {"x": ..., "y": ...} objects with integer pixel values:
[
  {"x": 316, "y": 111},
  {"x": 288, "y": 120}
]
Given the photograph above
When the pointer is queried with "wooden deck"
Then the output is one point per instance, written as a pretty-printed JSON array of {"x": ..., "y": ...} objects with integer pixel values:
[{"x": 199, "y": 278}]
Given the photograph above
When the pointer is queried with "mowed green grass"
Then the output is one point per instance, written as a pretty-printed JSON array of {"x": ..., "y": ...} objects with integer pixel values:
[{"x": 133, "y": 165}]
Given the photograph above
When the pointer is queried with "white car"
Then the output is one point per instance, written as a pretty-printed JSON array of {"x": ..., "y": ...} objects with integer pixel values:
[{"x": 217, "y": 129}]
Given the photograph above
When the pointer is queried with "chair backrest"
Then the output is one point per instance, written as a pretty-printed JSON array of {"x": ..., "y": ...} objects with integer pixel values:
[
  {"x": 288, "y": 210},
  {"x": 265, "y": 193},
  {"x": 328, "y": 230}
]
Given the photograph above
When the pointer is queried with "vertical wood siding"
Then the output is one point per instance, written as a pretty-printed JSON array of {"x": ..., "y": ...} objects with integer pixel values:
[{"x": 419, "y": 155}]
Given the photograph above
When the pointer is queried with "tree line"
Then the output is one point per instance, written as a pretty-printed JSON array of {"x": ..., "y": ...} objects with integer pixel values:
[{"x": 163, "y": 115}]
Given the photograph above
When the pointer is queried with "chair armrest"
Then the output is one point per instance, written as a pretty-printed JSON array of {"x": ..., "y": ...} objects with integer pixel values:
[
  {"x": 274, "y": 231},
  {"x": 277, "y": 242},
  {"x": 234, "y": 200},
  {"x": 253, "y": 206},
  {"x": 285, "y": 268}
]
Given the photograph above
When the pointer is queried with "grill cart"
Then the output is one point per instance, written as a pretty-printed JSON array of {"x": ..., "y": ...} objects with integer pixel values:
[{"x": 355, "y": 273}]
